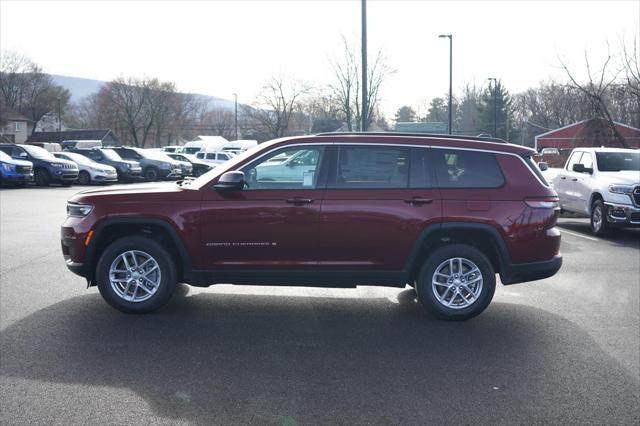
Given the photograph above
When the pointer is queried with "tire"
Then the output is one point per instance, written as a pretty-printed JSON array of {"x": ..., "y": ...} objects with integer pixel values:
[
  {"x": 84, "y": 178},
  {"x": 151, "y": 174},
  {"x": 42, "y": 177},
  {"x": 455, "y": 291},
  {"x": 66, "y": 183},
  {"x": 599, "y": 223},
  {"x": 149, "y": 297}
]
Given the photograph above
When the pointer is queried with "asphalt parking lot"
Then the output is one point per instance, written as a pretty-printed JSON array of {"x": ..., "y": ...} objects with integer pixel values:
[{"x": 562, "y": 350}]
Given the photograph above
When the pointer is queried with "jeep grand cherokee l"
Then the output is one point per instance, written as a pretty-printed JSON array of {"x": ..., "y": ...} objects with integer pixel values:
[{"x": 443, "y": 214}]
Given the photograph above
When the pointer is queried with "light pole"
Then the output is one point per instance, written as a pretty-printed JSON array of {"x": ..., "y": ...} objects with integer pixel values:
[
  {"x": 365, "y": 107},
  {"x": 495, "y": 105},
  {"x": 235, "y": 95},
  {"x": 450, "y": 37}
]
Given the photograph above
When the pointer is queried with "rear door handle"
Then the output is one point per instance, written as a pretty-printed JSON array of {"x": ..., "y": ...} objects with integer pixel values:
[
  {"x": 575, "y": 179},
  {"x": 418, "y": 201},
  {"x": 299, "y": 200},
  {"x": 563, "y": 177}
]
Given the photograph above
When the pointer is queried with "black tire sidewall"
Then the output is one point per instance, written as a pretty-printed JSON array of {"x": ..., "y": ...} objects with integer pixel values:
[
  {"x": 81, "y": 177},
  {"x": 604, "y": 228},
  {"x": 44, "y": 181},
  {"x": 428, "y": 299},
  {"x": 168, "y": 280},
  {"x": 149, "y": 171}
]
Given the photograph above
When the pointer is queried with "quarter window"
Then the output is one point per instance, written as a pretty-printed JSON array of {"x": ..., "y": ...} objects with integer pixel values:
[
  {"x": 467, "y": 169},
  {"x": 289, "y": 168},
  {"x": 372, "y": 167}
]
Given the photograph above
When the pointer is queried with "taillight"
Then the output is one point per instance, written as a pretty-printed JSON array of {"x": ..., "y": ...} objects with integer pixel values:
[{"x": 542, "y": 203}]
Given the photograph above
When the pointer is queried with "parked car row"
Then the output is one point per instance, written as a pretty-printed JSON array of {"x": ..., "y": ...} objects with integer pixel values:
[{"x": 24, "y": 163}]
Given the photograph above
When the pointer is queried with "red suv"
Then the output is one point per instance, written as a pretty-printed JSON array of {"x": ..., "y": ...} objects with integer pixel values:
[{"x": 441, "y": 213}]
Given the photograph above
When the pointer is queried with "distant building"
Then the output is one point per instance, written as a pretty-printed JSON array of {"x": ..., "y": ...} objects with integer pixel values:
[
  {"x": 17, "y": 127},
  {"x": 421, "y": 127},
  {"x": 593, "y": 132},
  {"x": 107, "y": 137}
]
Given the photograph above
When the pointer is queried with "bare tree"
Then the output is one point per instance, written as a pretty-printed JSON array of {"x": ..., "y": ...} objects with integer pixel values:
[
  {"x": 25, "y": 88},
  {"x": 275, "y": 105},
  {"x": 346, "y": 88},
  {"x": 596, "y": 91},
  {"x": 631, "y": 60}
]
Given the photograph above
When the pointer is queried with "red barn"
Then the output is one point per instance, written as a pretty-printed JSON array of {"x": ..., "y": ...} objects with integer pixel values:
[{"x": 594, "y": 132}]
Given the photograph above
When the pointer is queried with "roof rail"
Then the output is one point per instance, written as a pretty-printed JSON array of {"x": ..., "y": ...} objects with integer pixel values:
[{"x": 424, "y": 135}]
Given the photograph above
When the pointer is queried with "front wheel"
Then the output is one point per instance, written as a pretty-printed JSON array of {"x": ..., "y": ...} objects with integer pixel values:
[
  {"x": 151, "y": 174},
  {"x": 42, "y": 177},
  {"x": 136, "y": 275},
  {"x": 599, "y": 224},
  {"x": 456, "y": 282},
  {"x": 84, "y": 178}
]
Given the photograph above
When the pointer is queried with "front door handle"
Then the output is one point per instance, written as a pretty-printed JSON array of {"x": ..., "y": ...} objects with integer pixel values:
[
  {"x": 575, "y": 179},
  {"x": 418, "y": 201},
  {"x": 299, "y": 200},
  {"x": 563, "y": 177}
]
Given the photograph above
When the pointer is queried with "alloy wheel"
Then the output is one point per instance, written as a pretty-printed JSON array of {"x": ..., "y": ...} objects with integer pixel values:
[
  {"x": 134, "y": 276},
  {"x": 457, "y": 283}
]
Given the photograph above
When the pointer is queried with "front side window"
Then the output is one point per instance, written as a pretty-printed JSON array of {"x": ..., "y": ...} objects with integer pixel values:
[
  {"x": 587, "y": 161},
  {"x": 299, "y": 170},
  {"x": 575, "y": 159},
  {"x": 466, "y": 169},
  {"x": 372, "y": 167}
]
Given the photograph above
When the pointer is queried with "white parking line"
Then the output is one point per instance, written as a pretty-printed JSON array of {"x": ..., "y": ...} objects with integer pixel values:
[{"x": 579, "y": 235}]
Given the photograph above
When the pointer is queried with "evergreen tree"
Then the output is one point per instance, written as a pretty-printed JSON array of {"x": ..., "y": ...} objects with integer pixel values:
[{"x": 496, "y": 106}]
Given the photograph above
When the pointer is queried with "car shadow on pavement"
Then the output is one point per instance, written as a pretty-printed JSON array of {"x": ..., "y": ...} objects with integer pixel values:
[
  {"x": 626, "y": 237},
  {"x": 239, "y": 358}
]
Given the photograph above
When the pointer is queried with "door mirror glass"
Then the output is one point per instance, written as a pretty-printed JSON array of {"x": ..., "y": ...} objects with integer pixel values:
[
  {"x": 580, "y": 168},
  {"x": 543, "y": 166},
  {"x": 230, "y": 181}
]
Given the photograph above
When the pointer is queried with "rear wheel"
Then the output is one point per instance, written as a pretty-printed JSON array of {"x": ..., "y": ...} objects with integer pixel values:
[
  {"x": 42, "y": 177},
  {"x": 456, "y": 282},
  {"x": 599, "y": 223},
  {"x": 136, "y": 275},
  {"x": 84, "y": 178}
]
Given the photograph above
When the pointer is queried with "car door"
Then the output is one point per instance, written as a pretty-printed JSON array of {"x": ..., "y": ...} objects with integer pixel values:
[
  {"x": 582, "y": 184},
  {"x": 565, "y": 186},
  {"x": 271, "y": 224},
  {"x": 375, "y": 206}
]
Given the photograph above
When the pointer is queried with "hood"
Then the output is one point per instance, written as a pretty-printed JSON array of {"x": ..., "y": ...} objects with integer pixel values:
[
  {"x": 161, "y": 191},
  {"x": 623, "y": 177}
]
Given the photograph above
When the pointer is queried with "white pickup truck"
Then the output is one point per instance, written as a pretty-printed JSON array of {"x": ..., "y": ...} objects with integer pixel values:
[{"x": 600, "y": 183}]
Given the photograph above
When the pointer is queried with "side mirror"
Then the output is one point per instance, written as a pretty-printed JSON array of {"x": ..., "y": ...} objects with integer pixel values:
[
  {"x": 580, "y": 168},
  {"x": 543, "y": 166},
  {"x": 230, "y": 181}
]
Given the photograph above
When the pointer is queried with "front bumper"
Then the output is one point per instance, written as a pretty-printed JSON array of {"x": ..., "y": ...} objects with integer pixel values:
[
  {"x": 623, "y": 214},
  {"x": 18, "y": 177},
  {"x": 515, "y": 273}
]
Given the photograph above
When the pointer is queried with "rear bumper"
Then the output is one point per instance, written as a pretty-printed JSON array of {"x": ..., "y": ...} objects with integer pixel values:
[{"x": 522, "y": 272}]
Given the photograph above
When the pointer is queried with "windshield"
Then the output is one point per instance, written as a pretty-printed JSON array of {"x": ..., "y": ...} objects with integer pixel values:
[
  {"x": 39, "y": 153},
  {"x": 77, "y": 158},
  {"x": 111, "y": 155},
  {"x": 618, "y": 161}
]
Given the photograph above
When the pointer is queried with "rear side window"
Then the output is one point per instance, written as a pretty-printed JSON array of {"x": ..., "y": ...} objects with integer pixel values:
[
  {"x": 466, "y": 169},
  {"x": 372, "y": 167}
]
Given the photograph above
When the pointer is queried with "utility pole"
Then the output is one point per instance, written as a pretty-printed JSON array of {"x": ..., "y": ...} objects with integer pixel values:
[
  {"x": 365, "y": 107},
  {"x": 235, "y": 95},
  {"x": 495, "y": 105},
  {"x": 450, "y": 37},
  {"x": 59, "y": 115}
]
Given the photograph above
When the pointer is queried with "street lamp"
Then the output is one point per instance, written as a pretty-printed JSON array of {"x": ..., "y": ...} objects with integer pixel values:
[
  {"x": 365, "y": 106},
  {"x": 450, "y": 37},
  {"x": 59, "y": 115},
  {"x": 495, "y": 105},
  {"x": 235, "y": 95}
]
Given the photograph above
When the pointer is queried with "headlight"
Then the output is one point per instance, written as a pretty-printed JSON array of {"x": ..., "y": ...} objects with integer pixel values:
[
  {"x": 56, "y": 165},
  {"x": 129, "y": 166},
  {"x": 165, "y": 166},
  {"x": 621, "y": 189},
  {"x": 9, "y": 167},
  {"x": 78, "y": 210}
]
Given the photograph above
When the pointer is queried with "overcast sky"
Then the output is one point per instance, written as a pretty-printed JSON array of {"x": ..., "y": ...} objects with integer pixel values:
[{"x": 217, "y": 48}]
